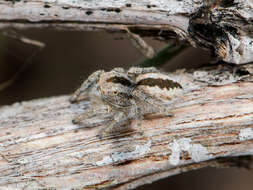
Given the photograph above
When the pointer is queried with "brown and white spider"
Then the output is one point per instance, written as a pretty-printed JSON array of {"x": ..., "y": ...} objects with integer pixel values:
[{"x": 126, "y": 95}]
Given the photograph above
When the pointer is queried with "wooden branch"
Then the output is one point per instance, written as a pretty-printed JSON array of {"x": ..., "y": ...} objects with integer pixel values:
[
  {"x": 41, "y": 148},
  {"x": 224, "y": 27}
]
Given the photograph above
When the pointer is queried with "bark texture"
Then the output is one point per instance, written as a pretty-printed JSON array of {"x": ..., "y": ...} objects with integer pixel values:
[
  {"x": 223, "y": 26},
  {"x": 41, "y": 148}
]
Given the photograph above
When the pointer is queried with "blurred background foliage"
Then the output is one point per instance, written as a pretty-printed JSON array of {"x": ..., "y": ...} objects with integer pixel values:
[{"x": 69, "y": 57}]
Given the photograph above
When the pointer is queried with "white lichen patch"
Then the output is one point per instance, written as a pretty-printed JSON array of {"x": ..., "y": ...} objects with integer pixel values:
[
  {"x": 175, "y": 155},
  {"x": 197, "y": 152},
  {"x": 122, "y": 156},
  {"x": 246, "y": 134}
]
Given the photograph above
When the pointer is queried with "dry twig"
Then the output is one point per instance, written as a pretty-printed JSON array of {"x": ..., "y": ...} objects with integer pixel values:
[{"x": 222, "y": 26}]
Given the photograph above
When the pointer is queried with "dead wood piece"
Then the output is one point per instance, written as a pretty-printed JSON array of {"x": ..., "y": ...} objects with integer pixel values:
[
  {"x": 40, "y": 147},
  {"x": 221, "y": 26}
]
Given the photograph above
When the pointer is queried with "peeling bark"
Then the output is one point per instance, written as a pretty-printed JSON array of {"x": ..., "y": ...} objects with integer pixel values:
[
  {"x": 224, "y": 27},
  {"x": 41, "y": 148}
]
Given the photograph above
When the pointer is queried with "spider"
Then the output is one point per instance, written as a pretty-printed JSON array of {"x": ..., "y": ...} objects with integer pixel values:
[{"x": 126, "y": 95}]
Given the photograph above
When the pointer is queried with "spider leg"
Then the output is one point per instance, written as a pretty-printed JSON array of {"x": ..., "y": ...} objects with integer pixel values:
[
  {"x": 96, "y": 108},
  {"x": 118, "y": 120},
  {"x": 84, "y": 116},
  {"x": 137, "y": 113},
  {"x": 150, "y": 104},
  {"x": 82, "y": 92}
]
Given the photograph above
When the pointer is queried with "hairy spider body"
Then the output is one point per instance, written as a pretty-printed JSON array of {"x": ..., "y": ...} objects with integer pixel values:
[
  {"x": 158, "y": 85},
  {"x": 127, "y": 94}
]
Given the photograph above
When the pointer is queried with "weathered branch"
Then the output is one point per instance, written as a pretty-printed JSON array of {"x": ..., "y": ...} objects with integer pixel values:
[
  {"x": 224, "y": 27},
  {"x": 40, "y": 147}
]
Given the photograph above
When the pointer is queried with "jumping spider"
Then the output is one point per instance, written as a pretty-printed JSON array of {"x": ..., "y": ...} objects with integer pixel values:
[{"x": 126, "y": 95}]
